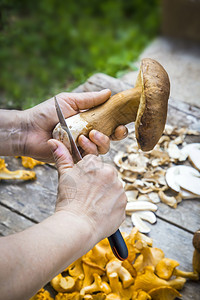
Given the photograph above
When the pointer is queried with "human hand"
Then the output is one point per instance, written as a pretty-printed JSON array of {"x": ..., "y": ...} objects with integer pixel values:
[
  {"x": 41, "y": 120},
  {"x": 90, "y": 190}
]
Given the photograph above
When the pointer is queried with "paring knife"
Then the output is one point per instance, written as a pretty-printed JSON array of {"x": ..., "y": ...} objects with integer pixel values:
[{"x": 116, "y": 240}]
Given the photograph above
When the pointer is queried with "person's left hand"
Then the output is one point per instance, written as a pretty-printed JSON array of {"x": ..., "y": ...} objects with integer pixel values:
[{"x": 41, "y": 120}]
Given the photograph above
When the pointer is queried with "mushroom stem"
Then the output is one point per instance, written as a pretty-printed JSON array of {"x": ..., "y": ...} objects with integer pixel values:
[
  {"x": 121, "y": 109},
  {"x": 189, "y": 275}
]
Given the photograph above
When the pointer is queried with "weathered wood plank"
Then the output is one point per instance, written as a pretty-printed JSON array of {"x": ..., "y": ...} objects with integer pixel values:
[
  {"x": 11, "y": 222},
  {"x": 186, "y": 215},
  {"x": 185, "y": 107},
  {"x": 34, "y": 199}
]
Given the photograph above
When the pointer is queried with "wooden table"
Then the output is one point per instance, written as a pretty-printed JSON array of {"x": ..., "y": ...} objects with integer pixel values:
[{"x": 23, "y": 204}]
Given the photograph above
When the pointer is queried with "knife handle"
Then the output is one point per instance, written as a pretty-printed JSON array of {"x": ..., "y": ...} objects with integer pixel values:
[{"x": 118, "y": 245}]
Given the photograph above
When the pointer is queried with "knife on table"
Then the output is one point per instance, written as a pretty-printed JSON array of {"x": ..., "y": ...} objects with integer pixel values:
[{"x": 116, "y": 240}]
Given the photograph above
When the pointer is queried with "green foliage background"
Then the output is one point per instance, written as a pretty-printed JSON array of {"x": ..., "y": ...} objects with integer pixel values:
[{"x": 49, "y": 46}]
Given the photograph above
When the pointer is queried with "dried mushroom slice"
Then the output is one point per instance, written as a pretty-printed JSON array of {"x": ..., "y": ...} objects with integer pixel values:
[
  {"x": 193, "y": 152},
  {"x": 185, "y": 177}
]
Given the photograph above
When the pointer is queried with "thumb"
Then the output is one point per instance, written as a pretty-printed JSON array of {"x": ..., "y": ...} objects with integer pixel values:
[{"x": 62, "y": 157}]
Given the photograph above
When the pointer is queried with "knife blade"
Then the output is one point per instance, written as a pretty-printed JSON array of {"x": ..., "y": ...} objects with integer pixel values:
[{"x": 75, "y": 152}]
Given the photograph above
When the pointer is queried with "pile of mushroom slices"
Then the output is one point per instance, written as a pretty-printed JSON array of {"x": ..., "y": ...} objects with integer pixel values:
[{"x": 168, "y": 173}]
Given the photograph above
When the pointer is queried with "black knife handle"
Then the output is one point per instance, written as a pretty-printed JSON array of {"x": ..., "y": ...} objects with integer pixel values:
[{"x": 118, "y": 245}]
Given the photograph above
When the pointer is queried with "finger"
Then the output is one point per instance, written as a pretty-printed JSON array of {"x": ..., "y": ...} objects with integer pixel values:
[
  {"x": 88, "y": 146},
  {"x": 120, "y": 133},
  {"x": 62, "y": 157},
  {"x": 101, "y": 140},
  {"x": 87, "y": 100}
]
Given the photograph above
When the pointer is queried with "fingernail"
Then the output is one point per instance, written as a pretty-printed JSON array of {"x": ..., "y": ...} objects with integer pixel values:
[
  {"x": 125, "y": 133},
  {"x": 105, "y": 91},
  {"x": 53, "y": 145},
  {"x": 97, "y": 134}
]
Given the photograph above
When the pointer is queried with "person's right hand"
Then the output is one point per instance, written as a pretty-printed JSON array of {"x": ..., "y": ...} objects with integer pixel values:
[{"x": 90, "y": 190}]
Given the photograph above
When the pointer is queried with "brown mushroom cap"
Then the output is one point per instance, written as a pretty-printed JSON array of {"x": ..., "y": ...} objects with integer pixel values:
[{"x": 152, "y": 111}]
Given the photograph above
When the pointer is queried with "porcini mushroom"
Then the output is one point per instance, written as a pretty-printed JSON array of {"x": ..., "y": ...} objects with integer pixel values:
[{"x": 146, "y": 104}]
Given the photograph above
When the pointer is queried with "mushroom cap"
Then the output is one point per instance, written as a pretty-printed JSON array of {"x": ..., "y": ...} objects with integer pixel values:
[
  {"x": 164, "y": 293},
  {"x": 152, "y": 111}
]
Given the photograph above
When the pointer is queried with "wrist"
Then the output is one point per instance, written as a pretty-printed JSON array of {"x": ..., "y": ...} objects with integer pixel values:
[
  {"x": 77, "y": 230},
  {"x": 19, "y": 139},
  {"x": 13, "y": 132}
]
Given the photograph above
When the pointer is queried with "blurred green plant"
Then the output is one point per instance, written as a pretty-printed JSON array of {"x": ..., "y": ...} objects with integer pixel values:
[{"x": 50, "y": 46}]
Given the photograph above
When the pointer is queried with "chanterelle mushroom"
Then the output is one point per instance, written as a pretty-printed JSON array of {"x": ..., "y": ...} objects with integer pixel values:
[
  {"x": 42, "y": 295},
  {"x": 146, "y": 104},
  {"x": 30, "y": 163},
  {"x": 166, "y": 268},
  {"x": 164, "y": 293},
  {"x": 19, "y": 174},
  {"x": 116, "y": 266}
]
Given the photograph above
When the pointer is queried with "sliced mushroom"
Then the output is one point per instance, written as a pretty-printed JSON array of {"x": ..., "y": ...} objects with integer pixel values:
[
  {"x": 173, "y": 173},
  {"x": 188, "y": 195},
  {"x": 139, "y": 224},
  {"x": 140, "y": 205},
  {"x": 154, "y": 197},
  {"x": 131, "y": 195},
  {"x": 189, "y": 183},
  {"x": 169, "y": 200},
  {"x": 148, "y": 216},
  {"x": 193, "y": 152}
]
